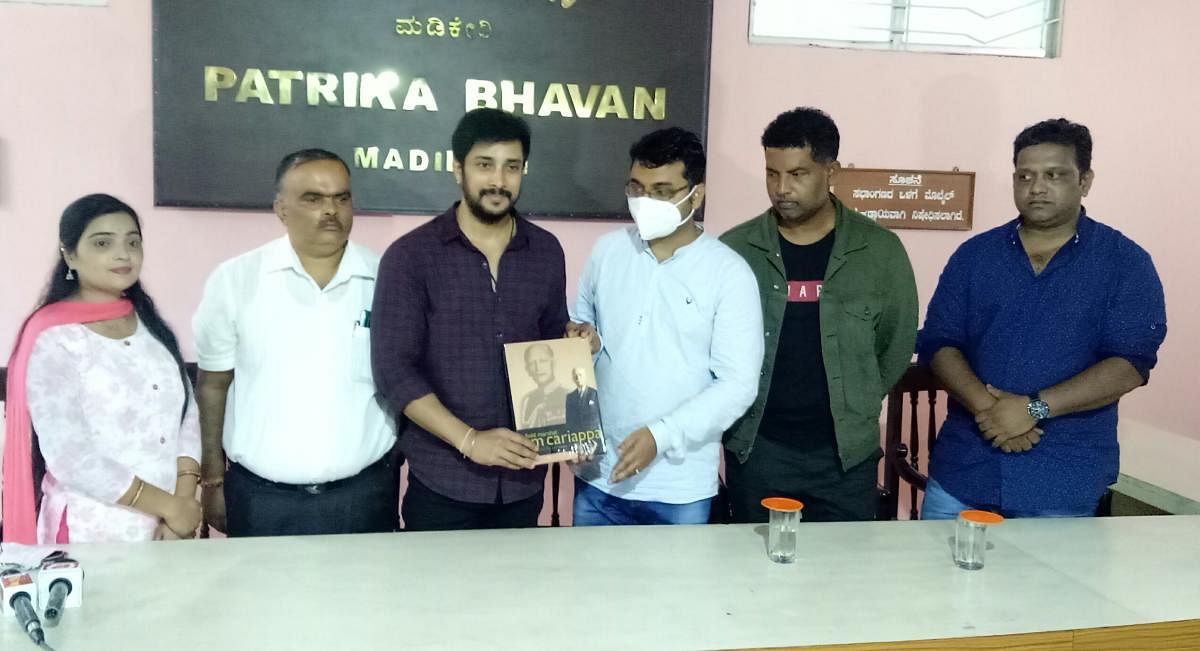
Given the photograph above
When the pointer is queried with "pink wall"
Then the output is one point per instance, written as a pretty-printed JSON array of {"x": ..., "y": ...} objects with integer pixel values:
[{"x": 75, "y": 117}]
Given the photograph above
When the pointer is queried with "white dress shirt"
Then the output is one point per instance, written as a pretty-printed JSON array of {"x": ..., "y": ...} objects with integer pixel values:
[
  {"x": 681, "y": 353},
  {"x": 303, "y": 407}
]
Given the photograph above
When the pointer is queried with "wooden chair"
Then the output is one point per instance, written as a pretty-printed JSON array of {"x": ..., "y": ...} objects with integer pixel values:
[{"x": 906, "y": 437}]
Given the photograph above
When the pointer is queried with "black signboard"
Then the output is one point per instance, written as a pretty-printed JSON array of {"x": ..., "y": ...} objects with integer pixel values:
[{"x": 238, "y": 84}]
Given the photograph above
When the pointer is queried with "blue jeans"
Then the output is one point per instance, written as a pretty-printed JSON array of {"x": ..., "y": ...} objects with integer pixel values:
[
  {"x": 594, "y": 507},
  {"x": 940, "y": 505}
]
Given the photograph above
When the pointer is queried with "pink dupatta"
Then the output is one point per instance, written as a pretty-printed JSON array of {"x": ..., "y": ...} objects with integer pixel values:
[{"x": 19, "y": 510}]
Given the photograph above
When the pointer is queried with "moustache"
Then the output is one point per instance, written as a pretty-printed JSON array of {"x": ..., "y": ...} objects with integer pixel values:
[{"x": 497, "y": 191}]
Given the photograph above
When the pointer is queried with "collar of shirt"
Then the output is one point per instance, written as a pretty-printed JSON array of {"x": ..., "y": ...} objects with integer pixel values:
[
  {"x": 1065, "y": 255},
  {"x": 848, "y": 236},
  {"x": 448, "y": 230},
  {"x": 282, "y": 256},
  {"x": 643, "y": 247},
  {"x": 1083, "y": 230}
]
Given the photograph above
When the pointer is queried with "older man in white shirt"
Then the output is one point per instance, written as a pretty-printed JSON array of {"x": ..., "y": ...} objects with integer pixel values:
[{"x": 287, "y": 326}]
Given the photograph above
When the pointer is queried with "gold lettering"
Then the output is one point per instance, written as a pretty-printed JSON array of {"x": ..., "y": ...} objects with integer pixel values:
[
  {"x": 254, "y": 85},
  {"x": 555, "y": 101},
  {"x": 612, "y": 102},
  {"x": 378, "y": 88},
  {"x": 393, "y": 161},
  {"x": 366, "y": 157},
  {"x": 418, "y": 160},
  {"x": 322, "y": 86},
  {"x": 512, "y": 98},
  {"x": 411, "y": 26},
  {"x": 643, "y": 102},
  {"x": 419, "y": 94},
  {"x": 217, "y": 78},
  {"x": 435, "y": 27},
  {"x": 583, "y": 109},
  {"x": 285, "y": 79},
  {"x": 481, "y": 93}
]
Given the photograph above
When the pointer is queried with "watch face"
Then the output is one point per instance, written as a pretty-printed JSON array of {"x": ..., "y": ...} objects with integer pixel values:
[{"x": 1038, "y": 409}]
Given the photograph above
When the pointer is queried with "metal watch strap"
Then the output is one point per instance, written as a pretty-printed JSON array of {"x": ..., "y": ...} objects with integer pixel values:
[{"x": 1037, "y": 405}]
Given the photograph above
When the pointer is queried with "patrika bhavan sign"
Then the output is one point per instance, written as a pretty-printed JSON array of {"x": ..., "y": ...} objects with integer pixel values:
[{"x": 238, "y": 84}]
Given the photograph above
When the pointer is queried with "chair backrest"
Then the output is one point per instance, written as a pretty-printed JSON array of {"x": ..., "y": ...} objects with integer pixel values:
[{"x": 907, "y": 436}]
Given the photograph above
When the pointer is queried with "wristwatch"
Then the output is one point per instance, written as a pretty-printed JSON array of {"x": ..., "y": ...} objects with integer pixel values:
[{"x": 1038, "y": 409}]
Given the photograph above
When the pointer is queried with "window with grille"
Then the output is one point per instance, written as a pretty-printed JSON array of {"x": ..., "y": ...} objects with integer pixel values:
[{"x": 1023, "y": 28}]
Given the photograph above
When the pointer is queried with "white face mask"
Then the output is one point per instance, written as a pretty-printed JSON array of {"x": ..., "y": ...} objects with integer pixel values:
[{"x": 656, "y": 218}]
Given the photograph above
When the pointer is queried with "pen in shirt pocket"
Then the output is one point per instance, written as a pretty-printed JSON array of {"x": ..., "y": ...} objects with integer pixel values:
[{"x": 364, "y": 319}]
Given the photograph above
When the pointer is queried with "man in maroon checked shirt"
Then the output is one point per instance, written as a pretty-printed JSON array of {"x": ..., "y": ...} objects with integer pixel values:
[{"x": 448, "y": 296}]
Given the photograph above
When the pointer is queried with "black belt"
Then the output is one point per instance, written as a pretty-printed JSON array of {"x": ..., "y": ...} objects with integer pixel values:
[{"x": 311, "y": 489}]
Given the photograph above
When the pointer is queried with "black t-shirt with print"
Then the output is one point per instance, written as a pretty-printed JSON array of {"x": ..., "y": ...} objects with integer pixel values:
[{"x": 797, "y": 409}]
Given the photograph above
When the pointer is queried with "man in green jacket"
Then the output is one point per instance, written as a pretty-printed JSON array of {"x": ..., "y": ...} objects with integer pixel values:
[{"x": 840, "y": 321}]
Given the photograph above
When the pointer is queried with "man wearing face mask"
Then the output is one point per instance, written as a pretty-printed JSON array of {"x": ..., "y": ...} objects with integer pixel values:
[
  {"x": 840, "y": 320},
  {"x": 678, "y": 316}
]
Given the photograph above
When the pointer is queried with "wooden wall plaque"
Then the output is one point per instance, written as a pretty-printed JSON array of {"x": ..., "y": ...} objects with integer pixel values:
[{"x": 925, "y": 199}]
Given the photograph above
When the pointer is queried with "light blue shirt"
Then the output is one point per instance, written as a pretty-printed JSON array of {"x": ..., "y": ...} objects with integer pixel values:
[{"x": 681, "y": 354}]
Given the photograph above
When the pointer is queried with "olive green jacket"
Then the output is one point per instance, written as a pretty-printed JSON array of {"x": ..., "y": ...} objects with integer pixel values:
[{"x": 868, "y": 314}]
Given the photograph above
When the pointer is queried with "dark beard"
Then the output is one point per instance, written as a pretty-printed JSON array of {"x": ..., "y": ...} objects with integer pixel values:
[{"x": 482, "y": 213}]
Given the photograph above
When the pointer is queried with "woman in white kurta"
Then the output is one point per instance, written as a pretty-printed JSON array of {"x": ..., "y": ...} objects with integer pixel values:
[
  {"x": 106, "y": 411},
  {"x": 97, "y": 382}
]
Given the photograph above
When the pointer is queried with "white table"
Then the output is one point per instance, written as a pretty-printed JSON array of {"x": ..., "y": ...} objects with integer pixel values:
[{"x": 697, "y": 587}]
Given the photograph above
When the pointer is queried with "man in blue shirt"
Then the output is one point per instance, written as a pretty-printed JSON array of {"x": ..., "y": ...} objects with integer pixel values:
[
  {"x": 1036, "y": 329},
  {"x": 680, "y": 345}
]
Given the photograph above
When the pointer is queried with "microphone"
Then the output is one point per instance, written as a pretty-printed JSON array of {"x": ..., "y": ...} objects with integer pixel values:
[
  {"x": 19, "y": 595},
  {"x": 60, "y": 585}
]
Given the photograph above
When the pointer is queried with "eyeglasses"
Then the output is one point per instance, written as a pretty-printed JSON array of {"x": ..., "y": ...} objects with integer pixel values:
[{"x": 634, "y": 190}]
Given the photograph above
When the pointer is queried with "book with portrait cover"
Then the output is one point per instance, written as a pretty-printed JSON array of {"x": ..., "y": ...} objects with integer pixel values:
[{"x": 552, "y": 384}]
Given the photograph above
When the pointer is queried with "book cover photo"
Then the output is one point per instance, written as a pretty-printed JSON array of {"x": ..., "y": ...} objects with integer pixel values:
[{"x": 552, "y": 385}]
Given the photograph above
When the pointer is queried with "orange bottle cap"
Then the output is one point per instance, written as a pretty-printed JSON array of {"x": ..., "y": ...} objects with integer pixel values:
[
  {"x": 981, "y": 517},
  {"x": 782, "y": 504}
]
